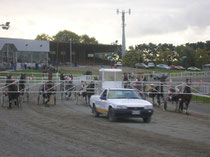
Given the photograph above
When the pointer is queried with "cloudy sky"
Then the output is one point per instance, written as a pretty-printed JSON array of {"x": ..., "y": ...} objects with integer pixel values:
[{"x": 156, "y": 21}]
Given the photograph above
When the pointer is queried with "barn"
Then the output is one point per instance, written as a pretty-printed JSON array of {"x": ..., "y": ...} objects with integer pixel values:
[{"x": 56, "y": 53}]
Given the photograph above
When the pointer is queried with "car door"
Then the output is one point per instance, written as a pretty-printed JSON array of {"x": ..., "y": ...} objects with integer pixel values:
[{"x": 102, "y": 102}]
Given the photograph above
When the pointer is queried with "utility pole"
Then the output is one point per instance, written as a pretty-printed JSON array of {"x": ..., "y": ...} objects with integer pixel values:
[{"x": 123, "y": 28}]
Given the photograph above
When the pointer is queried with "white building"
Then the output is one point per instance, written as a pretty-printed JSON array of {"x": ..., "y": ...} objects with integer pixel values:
[{"x": 22, "y": 50}]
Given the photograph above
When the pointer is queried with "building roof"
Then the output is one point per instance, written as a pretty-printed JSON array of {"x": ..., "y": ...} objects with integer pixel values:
[{"x": 26, "y": 44}]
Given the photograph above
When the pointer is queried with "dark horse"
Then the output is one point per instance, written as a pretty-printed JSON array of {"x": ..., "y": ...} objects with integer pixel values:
[
  {"x": 182, "y": 100},
  {"x": 185, "y": 99},
  {"x": 22, "y": 86},
  {"x": 46, "y": 90},
  {"x": 90, "y": 91},
  {"x": 86, "y": 93},
  {"x": 68, "y": 86},
  {"x": 12, "y": 93},
  {"x": 158, "y": 92}
]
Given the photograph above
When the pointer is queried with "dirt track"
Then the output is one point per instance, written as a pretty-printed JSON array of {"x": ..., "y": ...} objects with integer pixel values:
[{"x": 70, "y": 130}]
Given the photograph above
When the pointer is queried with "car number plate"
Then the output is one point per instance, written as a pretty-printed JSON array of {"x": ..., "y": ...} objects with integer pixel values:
[{"x": 136, "y": 112}]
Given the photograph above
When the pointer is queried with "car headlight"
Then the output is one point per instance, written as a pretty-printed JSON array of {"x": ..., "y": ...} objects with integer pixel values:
[
  {"x": 148, "y": 107},
  {"x": 121, "y": 107}
]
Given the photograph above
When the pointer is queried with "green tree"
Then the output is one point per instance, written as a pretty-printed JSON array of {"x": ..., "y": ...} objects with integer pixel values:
[
  {"x": 190, "y": 55},
  {"x": 132, "y": 57},
  {"x": 44, "y": 36},
  {"x": 165, "y": 57},
  {"x": 85, "y": 39},
  {"x": 65, "y": 36},
  {"x": 203, "y": 57}
]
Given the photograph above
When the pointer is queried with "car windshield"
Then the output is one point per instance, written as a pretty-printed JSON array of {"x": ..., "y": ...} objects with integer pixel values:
[{"x": 123, "y": 94}]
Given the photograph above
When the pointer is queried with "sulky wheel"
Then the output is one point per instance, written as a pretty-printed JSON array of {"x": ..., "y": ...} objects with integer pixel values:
[
  {"x": 19, "y": 101},
  {"x": 62, "y": 95},
  {"x": 54, "y": 99},
  {"x": 27, "y": 94},
  {"x": 165, "y": 105},
  {"x": 2, "y": 100},
  {"x": 38, "y": 99},
  {"x": 76, "y": 98}
]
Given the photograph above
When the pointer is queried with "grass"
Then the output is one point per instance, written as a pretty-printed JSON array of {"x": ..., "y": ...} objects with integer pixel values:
[
  {"x": 76, "y": 71},
  {"x": 201, "y": 99}
]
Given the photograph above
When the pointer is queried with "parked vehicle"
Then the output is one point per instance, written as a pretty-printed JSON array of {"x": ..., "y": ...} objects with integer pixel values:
[
  {"x": 181, "y": 67},
  {"x": 193, "y": 68},
  {"x": 121, "y": 103},
  {"x": 163, "y": 66},
  {"x": 141, "y": 65},
  {"x": 151, "y": 65},
  {"x": 118, "y": 64},
  {"x": 174, "y": 67}
]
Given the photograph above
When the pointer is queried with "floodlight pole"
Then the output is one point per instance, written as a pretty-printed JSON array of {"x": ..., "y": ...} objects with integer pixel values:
[
  {"x": 123, "y": 29},
  {"x": 70, "y": 53},
  {"x": 5, "y": 26}
]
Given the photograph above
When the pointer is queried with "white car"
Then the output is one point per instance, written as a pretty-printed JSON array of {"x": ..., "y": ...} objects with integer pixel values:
[
  {"x": 141, "y": 65},
  {"x": 193, "y": 68},
  {"x": 151, "y": 65},
  {"x": 121, "y": 103},
  {"x": 163, "y": 66},
  {"x": 181, "y": 67}
]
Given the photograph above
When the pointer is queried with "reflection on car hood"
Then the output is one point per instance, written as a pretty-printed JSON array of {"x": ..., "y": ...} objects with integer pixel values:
[{"x": 130, "y": 102}]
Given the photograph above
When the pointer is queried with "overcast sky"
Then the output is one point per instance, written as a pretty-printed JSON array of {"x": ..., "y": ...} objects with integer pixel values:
[{"x": 156, "y": 21}]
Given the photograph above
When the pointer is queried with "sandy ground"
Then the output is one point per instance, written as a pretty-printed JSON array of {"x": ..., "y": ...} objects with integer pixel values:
[{"x": 69, "y": 130}]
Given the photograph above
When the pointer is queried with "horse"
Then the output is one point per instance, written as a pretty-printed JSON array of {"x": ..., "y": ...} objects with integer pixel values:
[
  {"x": 46, "y": 90},
  {"x": 86, "y": 92},
  {"x": 185, "y": 99},
  {"x": 180, "y": 98},
  {"x": 22, "y": 87},
  {"x": 68, "y": 86},
  {"x": 158, "y": 92},
  {"x": 90, "y": 91},
  {"x": 12, "y": 93}
]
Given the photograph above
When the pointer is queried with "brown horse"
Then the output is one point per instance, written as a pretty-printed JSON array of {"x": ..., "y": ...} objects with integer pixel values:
[
  {"x": 86, "y": 92},
  {"x": 185, "y": 99},
  {"x": 182, "y": 100},
  {"x": 12, "y": 93},
  {"x": 46, "y": 90}
]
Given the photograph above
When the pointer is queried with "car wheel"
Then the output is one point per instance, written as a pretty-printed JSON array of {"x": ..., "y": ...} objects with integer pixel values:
[
  {"x": 147, "y": 120},
  {"x": 111, "y": 116},
  {"x": 95, "y": 113}
]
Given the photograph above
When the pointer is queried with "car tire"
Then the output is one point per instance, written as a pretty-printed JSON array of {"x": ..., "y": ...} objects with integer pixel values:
[
  {"x": 95, "y": 113},
  {"x": 111, "y": 115},
  {"x": 147, "y": 120}
]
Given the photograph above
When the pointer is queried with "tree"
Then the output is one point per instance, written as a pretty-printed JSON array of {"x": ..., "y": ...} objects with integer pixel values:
[
  {"x": 65, "y": 36},
  {"x": 132, "y": 57},
  {"x": 203, "y": 57},
  {"x": 44, "y": 36},
  {"x": 85, "y": 39},
  {"x": 165, "y": 57},
  {"x": 189, "y": 53}
]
